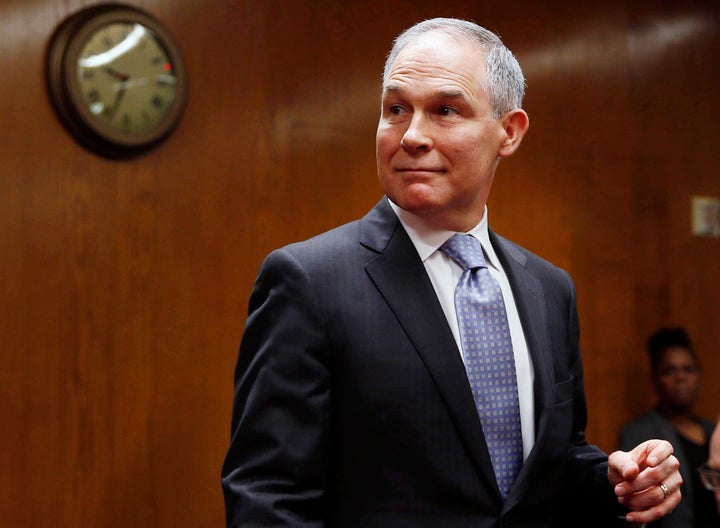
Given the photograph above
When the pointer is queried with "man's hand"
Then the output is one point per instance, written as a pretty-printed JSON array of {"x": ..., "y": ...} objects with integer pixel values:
[{"x": 647, "y": 480}]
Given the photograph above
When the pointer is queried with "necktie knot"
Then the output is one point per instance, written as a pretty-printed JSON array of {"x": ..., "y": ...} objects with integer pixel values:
[{"x": 465, "y": 250}]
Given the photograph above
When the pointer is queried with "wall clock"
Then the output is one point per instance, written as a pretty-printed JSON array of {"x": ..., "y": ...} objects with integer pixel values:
[{"x": 116, "y": 79}]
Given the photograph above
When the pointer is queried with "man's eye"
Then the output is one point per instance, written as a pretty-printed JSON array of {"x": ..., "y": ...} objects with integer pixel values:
[
  {"x": 396, "y": 109},
  {"x": 447, "y": 110}
]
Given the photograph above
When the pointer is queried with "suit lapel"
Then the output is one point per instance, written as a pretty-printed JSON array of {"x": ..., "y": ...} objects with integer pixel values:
[
  {"x": 530, "y": 302},
  {"x": 401, "y": 278}
]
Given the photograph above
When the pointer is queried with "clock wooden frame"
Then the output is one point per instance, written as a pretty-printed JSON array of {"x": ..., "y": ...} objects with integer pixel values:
[{"x": 64, "y": 50}]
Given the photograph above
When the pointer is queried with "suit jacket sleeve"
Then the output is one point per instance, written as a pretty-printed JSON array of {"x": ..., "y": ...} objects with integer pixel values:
[
  {"x": 590, "y": 498},
  {"x": 276, "y": 467}
]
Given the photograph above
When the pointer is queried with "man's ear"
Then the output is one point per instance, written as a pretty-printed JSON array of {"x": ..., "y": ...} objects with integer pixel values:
[{"x": 515, "y": 123}]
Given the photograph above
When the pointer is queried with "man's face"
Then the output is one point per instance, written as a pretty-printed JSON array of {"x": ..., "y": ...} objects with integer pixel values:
[{"x": 437, "y": 143}]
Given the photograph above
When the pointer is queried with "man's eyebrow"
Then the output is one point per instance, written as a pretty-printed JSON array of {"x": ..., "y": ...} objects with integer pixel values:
[
  {"x": 442, "y": 94},
  {"x": 452, "y": 94},
  {"x": 392, "y": 88}
]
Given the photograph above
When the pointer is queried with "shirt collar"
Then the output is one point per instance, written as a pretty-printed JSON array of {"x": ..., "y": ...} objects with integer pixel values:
[{"x": 427, "y": 239}]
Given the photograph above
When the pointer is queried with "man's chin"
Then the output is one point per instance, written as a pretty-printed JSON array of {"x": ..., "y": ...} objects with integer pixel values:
[
  {"x": 419, "y": 208},
  {"x": 417, "y": 201}
]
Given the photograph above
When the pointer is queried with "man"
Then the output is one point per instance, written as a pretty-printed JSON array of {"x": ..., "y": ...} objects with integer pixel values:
[
  {"x": 711, "y": 469},
  {"x": 353, "y": 406}
]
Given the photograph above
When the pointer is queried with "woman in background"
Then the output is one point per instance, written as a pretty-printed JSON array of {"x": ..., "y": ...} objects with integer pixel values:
[{"x": 675, "y": 375}]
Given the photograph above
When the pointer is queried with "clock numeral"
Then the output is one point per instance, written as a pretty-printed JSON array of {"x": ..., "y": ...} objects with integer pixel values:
[
  {"x": 108, "y": 43},
  {"x": 157, "y": 61},
  {"x": 127, "y": 120},
  {"x": 157, "y": 101},
  {"x": 88, "y": 74},
  {"x": 93, "y": 95}
]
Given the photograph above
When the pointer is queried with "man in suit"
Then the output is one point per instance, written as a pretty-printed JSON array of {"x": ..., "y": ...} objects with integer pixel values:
[
  {"x": 353, "y": 407},
  {"x": 712, "y": 467}
]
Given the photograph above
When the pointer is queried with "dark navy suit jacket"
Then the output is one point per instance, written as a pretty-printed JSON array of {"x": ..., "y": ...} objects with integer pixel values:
[{"x": 352, "y": 406}]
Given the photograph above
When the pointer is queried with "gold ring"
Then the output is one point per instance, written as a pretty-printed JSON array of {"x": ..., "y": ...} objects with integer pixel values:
[{"x": 664, "y": 489}]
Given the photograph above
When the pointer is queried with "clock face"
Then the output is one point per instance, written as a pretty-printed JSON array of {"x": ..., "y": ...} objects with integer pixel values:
[
  {"x": 116, "y": 79},
  {"x": 126, "y": 78}
]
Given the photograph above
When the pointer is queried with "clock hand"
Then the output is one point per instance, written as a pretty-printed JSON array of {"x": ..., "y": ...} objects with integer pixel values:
[
  {"x": 123, "y": 78},
  {"x": 116, "y": 74},
  {"x": 118, "y": 99}
]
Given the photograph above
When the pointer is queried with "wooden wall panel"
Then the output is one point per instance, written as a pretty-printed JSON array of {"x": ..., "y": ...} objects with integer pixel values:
[
  {"x": 672, "y": 82},
  {"x": 124, "y": 284}
]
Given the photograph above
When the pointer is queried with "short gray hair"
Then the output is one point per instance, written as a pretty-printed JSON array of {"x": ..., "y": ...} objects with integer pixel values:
[{"x": 504, "y": 79}]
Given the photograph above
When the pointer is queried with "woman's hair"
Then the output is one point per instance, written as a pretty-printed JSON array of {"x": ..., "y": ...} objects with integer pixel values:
[{"x": 665, "y": 338}]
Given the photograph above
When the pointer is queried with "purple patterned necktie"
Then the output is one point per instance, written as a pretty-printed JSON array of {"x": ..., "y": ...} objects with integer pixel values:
[{"x": 489, "y": 360}]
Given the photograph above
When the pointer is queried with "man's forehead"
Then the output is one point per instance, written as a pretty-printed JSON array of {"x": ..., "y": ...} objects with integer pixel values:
[{"x": 439, "y": 80}]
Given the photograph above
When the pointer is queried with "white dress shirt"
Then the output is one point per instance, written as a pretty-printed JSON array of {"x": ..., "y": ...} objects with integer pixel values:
[{"x": 445, "y": 273}]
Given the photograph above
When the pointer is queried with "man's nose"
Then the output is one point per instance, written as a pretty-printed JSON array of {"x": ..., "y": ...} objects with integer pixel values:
[{"x": 417, "y": 137}]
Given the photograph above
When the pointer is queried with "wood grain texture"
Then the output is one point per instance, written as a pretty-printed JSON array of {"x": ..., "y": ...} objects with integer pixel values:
[{"x": 124, "y": 284}]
